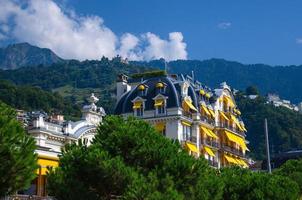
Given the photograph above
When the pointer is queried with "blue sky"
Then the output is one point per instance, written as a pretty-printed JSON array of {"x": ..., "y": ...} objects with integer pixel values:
[{"x": 255, "y": 31}]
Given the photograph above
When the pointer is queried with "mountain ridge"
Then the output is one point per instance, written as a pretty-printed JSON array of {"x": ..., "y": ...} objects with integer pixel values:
[
  {"x": 282, "y": 80},
  {"x": 19, "y": 55}
]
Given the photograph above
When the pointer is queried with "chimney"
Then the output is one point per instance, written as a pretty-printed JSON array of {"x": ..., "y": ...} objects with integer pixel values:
[{"x": 122, "y": 86}]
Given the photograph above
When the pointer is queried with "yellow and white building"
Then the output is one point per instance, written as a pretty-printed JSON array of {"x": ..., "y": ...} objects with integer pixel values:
[
  {"x": 207, "y": 122},
  {"x": 52, "y": 133}
]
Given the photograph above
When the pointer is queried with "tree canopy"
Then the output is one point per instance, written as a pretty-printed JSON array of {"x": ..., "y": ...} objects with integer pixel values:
[
  {"x": 129, "y": 159},
  {"x": 33, "y": 98},
  {"x": 293, "y": 170},
  {"x": 17, "y": 157}
]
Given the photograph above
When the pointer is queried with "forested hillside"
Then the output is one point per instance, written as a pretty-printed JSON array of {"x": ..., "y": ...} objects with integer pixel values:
[
  {"x": 285, "y": 126},
  {"x": 32, "y": 98},
  {"x": 74, "y": 79},
  {"x": 283, "y": 80}
]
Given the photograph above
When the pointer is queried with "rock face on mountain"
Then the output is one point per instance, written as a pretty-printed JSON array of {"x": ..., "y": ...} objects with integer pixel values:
[{"x": 23, "y": 54}]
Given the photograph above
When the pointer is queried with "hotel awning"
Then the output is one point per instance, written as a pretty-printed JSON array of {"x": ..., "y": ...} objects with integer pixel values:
[
  {"x": 235, "y": 120},
  {"x": 238, "y": 140},
  {"x": 229, "y": 101},
  {"x": 45, "y": 162},
  {"x": 189, "y": 105},
  {"x": 205, "y": 109},
  {"x": 191, "y": 147},
  {"x": 243, "y": 127},
  {"x": 212, "y": 113},
  {"x": 230, "y": 159},
  {"x": 209, "y": 151},
  {"x": 185, "y": 123},
  {"x": 209, "y": 132},
  {"x": 223, "y": 116},
  {"x": 242, "y": 162}
]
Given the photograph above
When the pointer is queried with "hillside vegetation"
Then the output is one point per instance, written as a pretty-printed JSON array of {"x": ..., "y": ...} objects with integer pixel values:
[
  {"x": 72, "y": 79},
  {"x": 285, "y": 126},
  {"x": 283, "y": 80},
  {"x": 32, "y": 98}
]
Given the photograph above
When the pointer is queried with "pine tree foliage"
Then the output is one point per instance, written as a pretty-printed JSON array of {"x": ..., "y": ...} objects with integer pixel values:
[
  {"x": 129, "y": 159},
  {"x": 17, "y": 159}
]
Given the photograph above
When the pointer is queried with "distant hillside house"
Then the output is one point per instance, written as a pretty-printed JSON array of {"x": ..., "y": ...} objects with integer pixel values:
[
  {"x": 277, "y": 102},
  {"x": 206, "y": 122},
  {"x": 53, "y": 132}
]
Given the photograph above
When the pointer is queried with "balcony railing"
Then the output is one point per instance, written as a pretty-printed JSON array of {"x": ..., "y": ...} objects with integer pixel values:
[
  {"x": 231, "y": 128},
  {"x": 211, "y": 143},
  {"x": 207, "y": 120},
  {"x": 187, "y": 114},
  {"x": 192, "y": 139},
  {"x": 213, "y": 163},
  {"x": 232, "y": 150}
]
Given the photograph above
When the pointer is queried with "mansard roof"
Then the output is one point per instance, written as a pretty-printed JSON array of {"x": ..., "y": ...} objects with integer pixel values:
[{"x": 172, "y": 91}]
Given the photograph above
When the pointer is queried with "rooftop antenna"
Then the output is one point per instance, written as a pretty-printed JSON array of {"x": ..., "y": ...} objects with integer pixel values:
[
  {"x": 267, "y": 147},
  {"x": 192, "y": 76},
  {"x": 166, "y": 67}
]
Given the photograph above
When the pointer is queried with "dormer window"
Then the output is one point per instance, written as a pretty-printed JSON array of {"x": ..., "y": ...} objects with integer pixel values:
[
  {"x": 142, "y": 89},
  {"x": 160, "y": 87},
  {"x": 138, "y": 108},
  {"x": 160, "y": 107},
  {"x": 202, "y": 92}
]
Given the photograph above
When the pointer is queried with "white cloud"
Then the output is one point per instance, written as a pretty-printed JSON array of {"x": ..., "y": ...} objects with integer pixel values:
[
  {"x": 171, "y": 49},
  {"x": 299, "y": 40},
  {"x": 129, "y": 47},
  {"x": 224, "y": 25},
  {"x": 46, "y": 24}
]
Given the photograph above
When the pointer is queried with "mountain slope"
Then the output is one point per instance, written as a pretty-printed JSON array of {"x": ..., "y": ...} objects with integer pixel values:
[
  {"x": 284, "y": 125},
  {"x": 23, "y": 54},
  {"x": 74, "y": 79},
  {"x": 32, "y": 98},
  {"x": 285, "y": 81}
]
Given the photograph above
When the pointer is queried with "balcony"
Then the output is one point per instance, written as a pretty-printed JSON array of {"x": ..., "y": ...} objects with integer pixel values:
[
  {"x": 213, "y": 163},
  {"x": 187, "y": 114},
  {"x": 232, "y": 150},
  {"x": 207, "y": 120},
  {"x": 192, "y": 139},
  {"x": 231, "y": 128},
  {"x": 210, "y": 143}
]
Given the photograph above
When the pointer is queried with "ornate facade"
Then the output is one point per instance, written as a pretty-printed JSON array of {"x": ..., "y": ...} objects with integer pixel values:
[
  {"x": 207, "y": 122},
  {"x": 52, "y": 133}
]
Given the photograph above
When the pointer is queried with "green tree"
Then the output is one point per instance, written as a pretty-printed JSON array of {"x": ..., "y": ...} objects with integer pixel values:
[
  {"x": 252, "y": 90},
  {"x": 293, "y": 170},
  {"x": 17, "y": 158},
  {"x": 130, "y": 159},
  {"x": 245, "y": 184}
]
